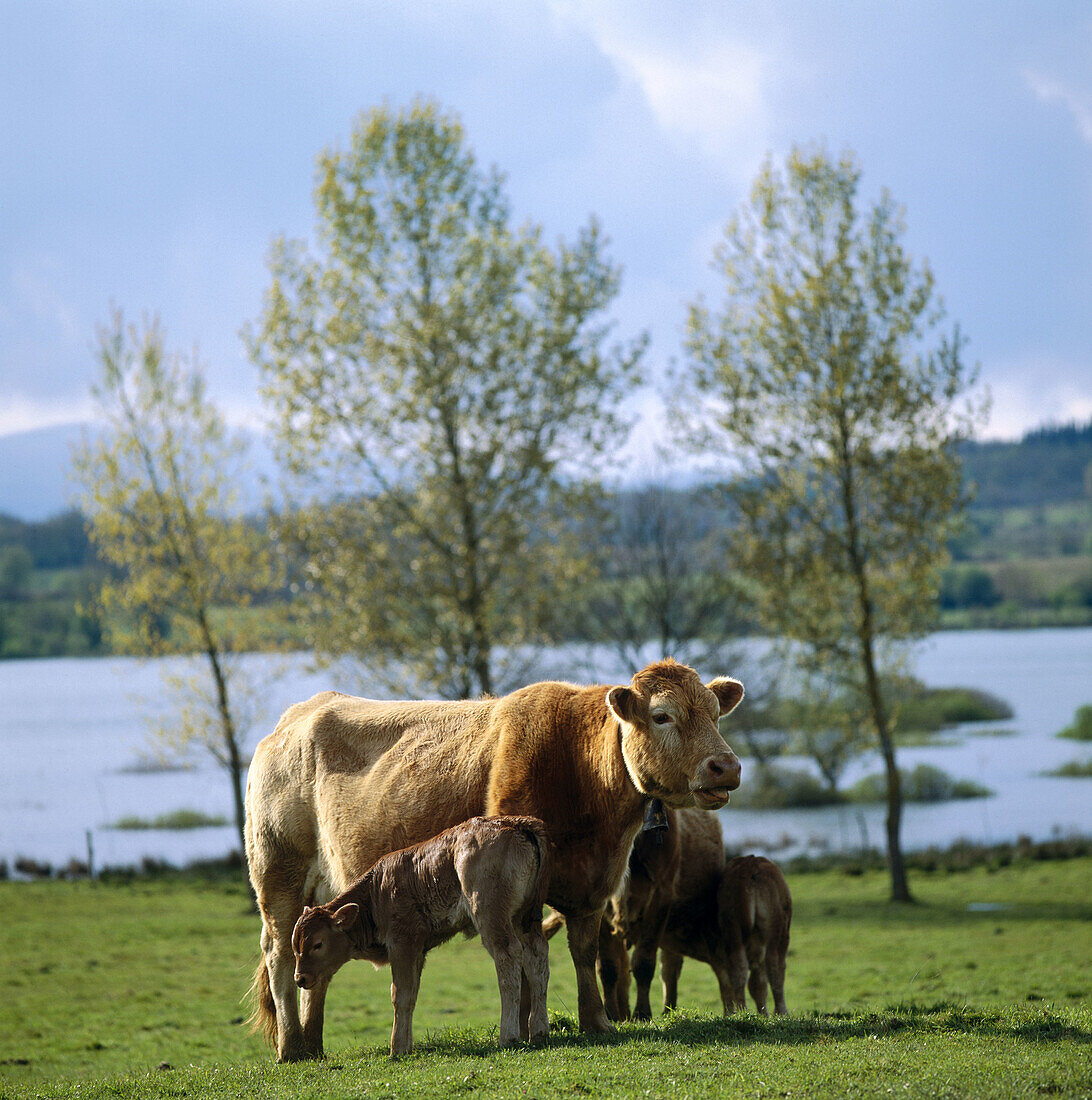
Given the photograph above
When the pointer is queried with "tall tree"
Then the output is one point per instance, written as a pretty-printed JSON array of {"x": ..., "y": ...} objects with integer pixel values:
[
  {"x": 163, "y": 516},
  {"x": 661, "y": 589},
  {"x": 831, "y": 379},
  {"x": 448, "y": 376}
]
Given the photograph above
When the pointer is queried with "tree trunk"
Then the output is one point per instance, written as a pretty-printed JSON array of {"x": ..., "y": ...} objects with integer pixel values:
[{"x": 900, "y": 889}]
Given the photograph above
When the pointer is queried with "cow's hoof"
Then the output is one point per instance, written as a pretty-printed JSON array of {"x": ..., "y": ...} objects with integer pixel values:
[
  {"x": 597, "y": 1025},
  {"x": 540, "y": 1038}
]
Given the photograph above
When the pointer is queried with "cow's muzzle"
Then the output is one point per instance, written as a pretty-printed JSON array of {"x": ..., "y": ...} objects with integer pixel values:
[
  {"x": 716, "y": 778},
  {"x": 303, "y": 981}
]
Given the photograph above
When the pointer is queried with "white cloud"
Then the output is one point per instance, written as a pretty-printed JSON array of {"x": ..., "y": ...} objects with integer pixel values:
[
  {"x": 23, "y": 414},
  {"x": 702, "y": 87},
  {"x": 1079, "y": 104}
]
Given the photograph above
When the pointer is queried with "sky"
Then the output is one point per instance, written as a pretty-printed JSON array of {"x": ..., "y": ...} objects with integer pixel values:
[{"x": 152, "y": 151}]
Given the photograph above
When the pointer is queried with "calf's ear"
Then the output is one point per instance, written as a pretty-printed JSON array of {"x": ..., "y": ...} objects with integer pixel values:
[
  {"x": 622, "y": 703},
  {"x": 728, "y": 692},
  {"x": 346, "y": 916}
]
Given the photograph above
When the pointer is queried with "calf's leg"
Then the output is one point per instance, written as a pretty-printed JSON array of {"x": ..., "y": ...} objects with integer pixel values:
[
  {"x": 613, "y": 968},
  {"x": 406, "y": 966},
  {"x": 756, "y": 960},
  {"x": 534, "y": 1020},
  {"x": 312, "y": 1008},
  {"x": 737, "y": 977},
  {"x": 504, "y": 946},
  {"x": 670, "y": 969},
  {"x": 644, "y": 959}
]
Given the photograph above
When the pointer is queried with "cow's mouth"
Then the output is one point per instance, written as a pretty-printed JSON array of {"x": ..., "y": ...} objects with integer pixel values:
[{"x": 709, "y": 798}]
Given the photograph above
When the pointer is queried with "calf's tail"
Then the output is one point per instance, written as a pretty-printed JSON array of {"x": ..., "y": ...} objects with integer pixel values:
[
  {"x": 263, "y": 1017},
  {"x": 536, "y": 835}
]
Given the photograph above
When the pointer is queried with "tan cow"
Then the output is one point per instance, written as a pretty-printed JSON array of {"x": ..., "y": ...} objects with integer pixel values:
[
  {"x": 488, "y": 875},
  {"x": 343, "y": 781}
]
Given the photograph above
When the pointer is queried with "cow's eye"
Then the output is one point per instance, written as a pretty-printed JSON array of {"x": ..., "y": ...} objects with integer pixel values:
[
  {"x": 662, "y": 719},
  {"x": 317, "y": 945}
]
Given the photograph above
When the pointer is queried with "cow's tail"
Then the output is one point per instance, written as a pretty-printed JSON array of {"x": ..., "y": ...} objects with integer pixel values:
[
  {"x": 553, "y": 924},
  {"x": 263, "y": 1016}
]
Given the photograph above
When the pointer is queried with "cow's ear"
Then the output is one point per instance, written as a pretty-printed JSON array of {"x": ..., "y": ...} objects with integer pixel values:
[
  {"x": 728, "y": 692},
  {"x": 346, "y": 916},
  {"x": 622, "y": 703},
  {"x": 307, "y": 909}
]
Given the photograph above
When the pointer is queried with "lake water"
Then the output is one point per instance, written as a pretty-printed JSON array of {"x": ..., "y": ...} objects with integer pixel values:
[{"x": 71, "y": 730}]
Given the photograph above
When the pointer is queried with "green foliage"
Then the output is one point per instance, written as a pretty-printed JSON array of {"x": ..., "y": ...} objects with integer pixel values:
[
  {"x": 1081, "y": 729},
  {"x": 921, "y": 709},
  {"x": 776, "y": 787},
  {"x": 924, "y": 783},
  {"x": 881, "y": 997},
  {"x": 176, "y": 819},
  {"x": 1073, "y": 769},
  {"x": 1047, "y": 466},
  {"x": 450, "y": 374}
]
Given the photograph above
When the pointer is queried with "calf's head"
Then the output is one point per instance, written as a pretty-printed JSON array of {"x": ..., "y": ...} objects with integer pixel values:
[
  {"x": 670, "y": 741},
  {"x": 322, "y": 944}
]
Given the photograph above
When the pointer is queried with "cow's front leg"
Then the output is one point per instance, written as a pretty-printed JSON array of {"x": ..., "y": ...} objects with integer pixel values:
[
  {"x": 281, "y": 964},
  {"x": 584, "y": 947},
  {"x": 405, "y": 981}
]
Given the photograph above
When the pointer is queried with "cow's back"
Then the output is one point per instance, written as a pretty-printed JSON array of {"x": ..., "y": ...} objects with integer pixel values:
[{"x": 342, "y": 781}]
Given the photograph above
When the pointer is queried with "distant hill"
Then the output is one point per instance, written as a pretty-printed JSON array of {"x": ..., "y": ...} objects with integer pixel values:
[
  {"x": 1050, "y": 465},
  {"x": 35, "y": 471},
  {"x": 1047, "y": 466}
]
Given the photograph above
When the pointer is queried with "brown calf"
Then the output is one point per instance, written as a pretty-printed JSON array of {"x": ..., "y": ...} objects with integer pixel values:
[
  {"x": 488, "y": 875},
  {"x": 755, "y": 914},
  {"x": 343, "y": 781},
  {"x": 682, "y": 898}
]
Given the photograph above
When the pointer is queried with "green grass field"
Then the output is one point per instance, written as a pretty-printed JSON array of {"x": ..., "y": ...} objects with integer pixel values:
[{"x": 983, "y": 988}]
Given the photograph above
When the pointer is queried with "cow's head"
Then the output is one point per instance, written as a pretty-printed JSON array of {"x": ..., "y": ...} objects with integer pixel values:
[
  {"x": 322, "y": 944},
  {"x": 670, "y": 742}
]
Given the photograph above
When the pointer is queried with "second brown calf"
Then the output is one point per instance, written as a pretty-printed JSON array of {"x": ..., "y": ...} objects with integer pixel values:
[
  {"x": 681, "y": 897},
  {"x": 487, "y": 875}
]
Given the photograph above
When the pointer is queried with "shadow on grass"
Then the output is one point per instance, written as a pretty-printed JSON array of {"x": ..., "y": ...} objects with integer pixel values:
[{"x": 944, "y": 1018}]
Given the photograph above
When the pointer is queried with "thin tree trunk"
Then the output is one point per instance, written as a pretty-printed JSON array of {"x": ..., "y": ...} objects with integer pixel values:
[{"x": 900, "y": 888}]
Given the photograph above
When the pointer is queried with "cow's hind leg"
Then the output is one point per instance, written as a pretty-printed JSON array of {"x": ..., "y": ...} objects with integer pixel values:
[
  {"x": 775, "y": 971},
  {"x": 280, "y": 899}
]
